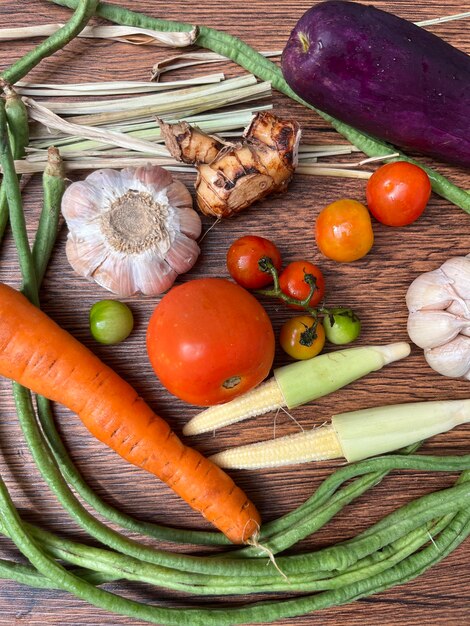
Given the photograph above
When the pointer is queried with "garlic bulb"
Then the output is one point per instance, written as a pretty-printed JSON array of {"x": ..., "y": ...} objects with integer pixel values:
[
  {"x": 439, "y": 320},
  {"x": 132, "y": 230}
]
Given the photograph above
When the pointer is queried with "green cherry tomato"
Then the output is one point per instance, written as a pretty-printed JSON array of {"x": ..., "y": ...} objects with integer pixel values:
[
  {"x": 111, "y": 321},
  {"x": 298, "y": 340},
  {"x": 341, "y": 326}
]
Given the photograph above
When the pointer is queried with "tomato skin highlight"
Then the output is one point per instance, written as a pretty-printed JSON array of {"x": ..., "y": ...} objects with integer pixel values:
[
  {"x": 290, "y": 337},
  {"x": 292, "y": 283},
  {"x": 207, "y": 333},
  {"x": 242, "y": 261},
  {"x": 397, "y": 193},
  {"x": 343, "y": 231}
]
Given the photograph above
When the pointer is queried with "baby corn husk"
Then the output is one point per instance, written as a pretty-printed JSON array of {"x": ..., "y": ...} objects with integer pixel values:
[
  {"x": 370, "y": 432},
  {"x": 319, "y": 444},
  {"x": 299, "y": 383},
  {"x": 356, "y": 435},
  {"x": 326, "y": 373}
]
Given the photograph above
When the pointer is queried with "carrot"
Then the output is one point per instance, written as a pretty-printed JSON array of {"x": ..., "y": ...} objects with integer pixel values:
[{"x": 38, "y": 354}]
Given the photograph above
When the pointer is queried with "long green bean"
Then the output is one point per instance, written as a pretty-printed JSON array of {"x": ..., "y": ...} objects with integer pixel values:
[
  {"x": 407, "y": 569},
  {"x": 121, "y": 543},
  {"x": 27, "y": 575},
  {"x": 53, "y": 189},
  {"x": 248, "y": 58},
  {"x": 85, "y": 9},
  {"x": 114, "y": 565},
  {"x": 17, "y": 120},
  {"x": 17, "y": 219}
]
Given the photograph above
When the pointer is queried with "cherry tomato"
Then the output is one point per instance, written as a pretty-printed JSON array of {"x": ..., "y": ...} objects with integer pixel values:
[
  {"x": 242, "y": 261},
  {"x": 209, "y": 340},
  {"x": 111, "y": 321},
  {"x": 397, "y": 193},
  {"x": 341, "y": 326},
  {"x": 297, "y": 341},
  {"x": 343, "y": 231},
  {"x": 292, "y": 282}
]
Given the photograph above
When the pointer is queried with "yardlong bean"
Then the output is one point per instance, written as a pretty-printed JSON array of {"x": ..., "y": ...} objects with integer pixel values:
[
  {"x": 407, "y": 569},
  {"x": 85, "y": 9},
  {"x": 248, "y": 58}
]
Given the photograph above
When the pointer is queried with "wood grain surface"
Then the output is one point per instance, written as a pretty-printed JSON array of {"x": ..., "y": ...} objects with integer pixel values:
[{"x": 374, "y": 286}]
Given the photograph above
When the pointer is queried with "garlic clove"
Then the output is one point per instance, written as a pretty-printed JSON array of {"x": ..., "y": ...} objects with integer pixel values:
[
  {"x": 85, "y": 254},
  {"x": 115, "y": 274},
  {"x": 432, "y": 290},
  {"x": 451, "y": 359},
  {"x": 79, "y": 204},
  {"x": 189, "y": 222},
  {"x": 428, "y": 329},
  {"x": 178, "y": 195},
  {"x": 108, "y": 185},
  {"x": 182, "y": 254},
  {"x": 459, "y": 307},
  {"x": 154, "y": 276},
  {"x": 149, "y": 176},
  {"x": 457, "y": 270}
]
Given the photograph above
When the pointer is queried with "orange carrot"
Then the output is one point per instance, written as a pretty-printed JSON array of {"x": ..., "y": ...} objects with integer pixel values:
[{"x": 38, "y": 354}]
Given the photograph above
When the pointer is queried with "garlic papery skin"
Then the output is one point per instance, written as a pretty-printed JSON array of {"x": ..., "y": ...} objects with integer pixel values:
[
  {"x": 451, "y": 359},
  {"x": 432, "y": 290},
  {"x": 429, "y": 329},
  {"x": 131, "y": 231}
]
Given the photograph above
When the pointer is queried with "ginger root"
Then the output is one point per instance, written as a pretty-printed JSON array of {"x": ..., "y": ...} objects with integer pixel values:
[{"x": 232, "y": 176}]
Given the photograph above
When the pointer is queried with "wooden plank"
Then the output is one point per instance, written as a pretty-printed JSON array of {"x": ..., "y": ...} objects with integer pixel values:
[{"x": 374, "y": 286}]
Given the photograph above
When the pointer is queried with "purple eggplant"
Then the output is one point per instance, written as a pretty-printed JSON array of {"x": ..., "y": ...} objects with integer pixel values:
[{"x": 383, "y": 75}]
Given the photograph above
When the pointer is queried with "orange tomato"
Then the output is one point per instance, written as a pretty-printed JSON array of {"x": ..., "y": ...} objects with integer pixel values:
[
  {"x": 295, "y": 340},
  {"x": 343, "y": 231},
  {"x": 209, "y": 340}
]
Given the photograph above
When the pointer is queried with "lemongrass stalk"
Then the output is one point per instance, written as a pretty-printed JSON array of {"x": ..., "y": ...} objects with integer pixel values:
[
  {"x": 370, "y": 432},
  {"x": 40, "y": 136},
  {"x": 218, "y": 124},
  {"x": 113, "y": 88},
  {"x": 39, "y": 113},
  {"x": 356, "y": 435},
  {"x": 335, "y": 172},
  {"x": 299, "y": 383},
  {"x": 26, "y": 167},
  {"x": 182, "y": 107},
  {"x": 126, "y": 104}
]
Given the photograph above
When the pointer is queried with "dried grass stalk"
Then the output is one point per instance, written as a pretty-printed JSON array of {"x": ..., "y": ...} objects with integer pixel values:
[{"x": 126, "y": 34}]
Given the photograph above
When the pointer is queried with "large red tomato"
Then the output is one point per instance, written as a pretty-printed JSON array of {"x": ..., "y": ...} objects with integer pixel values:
[{"x": 209, "y": 340}]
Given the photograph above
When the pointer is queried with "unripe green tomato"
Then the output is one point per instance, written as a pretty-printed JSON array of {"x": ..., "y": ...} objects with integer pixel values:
[
  {"x": 111, "y": 321},
  {"x": 341, "y": 326}
]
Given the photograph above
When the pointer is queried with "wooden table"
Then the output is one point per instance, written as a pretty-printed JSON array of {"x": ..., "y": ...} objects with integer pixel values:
[{"x": 374, "y": 286}]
